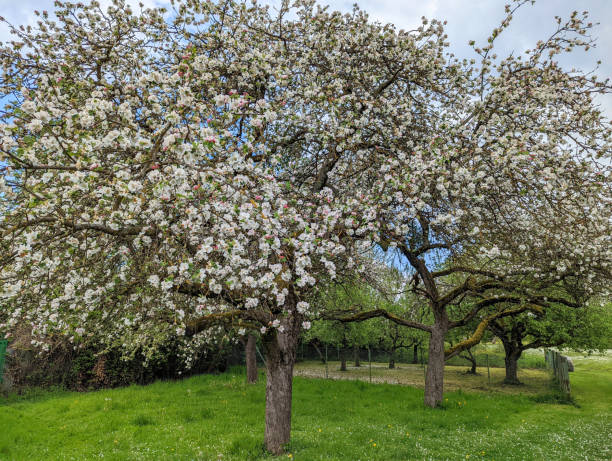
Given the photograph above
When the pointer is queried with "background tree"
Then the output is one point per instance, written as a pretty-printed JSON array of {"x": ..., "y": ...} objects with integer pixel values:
[
  {"x": 588, "y": 328},
  {"x": 491, "y": 180}
]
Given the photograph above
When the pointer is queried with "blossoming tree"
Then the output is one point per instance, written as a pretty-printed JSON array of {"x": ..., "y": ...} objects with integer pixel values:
[
  {"x": 163, "y": 174},
  {"x": 493, "y": 184}
]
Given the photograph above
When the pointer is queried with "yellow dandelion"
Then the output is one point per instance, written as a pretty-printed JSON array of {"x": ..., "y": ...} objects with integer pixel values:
[{"x": 320, "y": 430}]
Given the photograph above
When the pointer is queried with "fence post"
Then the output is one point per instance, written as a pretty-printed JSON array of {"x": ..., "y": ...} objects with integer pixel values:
[
  {"x": 370, "y": 361},
  {"x": 560, "y": 369}
]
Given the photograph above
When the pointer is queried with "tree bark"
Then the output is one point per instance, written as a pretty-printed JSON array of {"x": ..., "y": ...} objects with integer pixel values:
[
  {"x": 342, "y": 359},
  {"x": 356, "y": 355},
  {"x": 251, "y": 359},
  {"x": 392, "y": 359},
  {"x": 415, "y": 354},
  {"x": 434, "y": 378},
  {"x": 513, "y": 353},
  {"x": 280, "y": 349}
]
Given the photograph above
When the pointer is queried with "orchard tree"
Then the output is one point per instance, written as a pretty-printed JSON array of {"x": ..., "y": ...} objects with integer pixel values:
[
  {"x": 335, "y": 301},
  {"x": 163, "y": 174},
  {"x": 584, "y": 329},
  {"x": 502, "y": 170}
]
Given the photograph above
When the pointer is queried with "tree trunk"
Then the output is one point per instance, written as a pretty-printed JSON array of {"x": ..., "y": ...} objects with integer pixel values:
[
  {"x": 321, "y": 356},
  {"x": 392, "y": 359},
  {"x": 342, "y": 359},
  {"x": 415, "y": 354},
  {"x": 513, "y": 353},
  {"x": 251, "y": 359},
  {"x": 470, "y": 358},
  {"x": 434, "y": 379},
  {"x": 280, "y": 349},
  {"x": 356, "y": 355}
]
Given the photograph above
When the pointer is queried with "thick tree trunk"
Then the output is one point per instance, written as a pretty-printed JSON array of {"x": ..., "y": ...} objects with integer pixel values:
[
  {"x": 280, "y": 351},
  {"x": 513, "y": 353},
  {"x": 342, "y": 359},
  {"x": 415, "y": 353},
  {"x": 392, "y": 360},
  {"x": 251, "y": 359},
  {"x": 356, "y": 355},
  {"x": 434, "y": 378}
]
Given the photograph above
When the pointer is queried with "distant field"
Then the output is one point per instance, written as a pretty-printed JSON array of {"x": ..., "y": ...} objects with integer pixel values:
[
  {"x": 221, "y": 418},
  {"x": 455, "y": 378}
]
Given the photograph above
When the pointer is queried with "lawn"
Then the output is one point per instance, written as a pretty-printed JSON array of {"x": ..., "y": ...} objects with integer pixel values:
[{"x": 221, "y": 418}]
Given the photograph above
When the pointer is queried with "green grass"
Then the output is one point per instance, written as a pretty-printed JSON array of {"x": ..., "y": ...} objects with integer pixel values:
[{"x": 221, "y": 418}]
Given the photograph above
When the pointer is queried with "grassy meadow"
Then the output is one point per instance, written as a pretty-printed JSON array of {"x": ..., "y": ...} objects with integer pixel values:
[{"x": 219, "y": 417}]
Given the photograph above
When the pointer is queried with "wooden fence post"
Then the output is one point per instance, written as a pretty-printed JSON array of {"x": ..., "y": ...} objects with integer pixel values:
[{"x": 560, "y": 369}]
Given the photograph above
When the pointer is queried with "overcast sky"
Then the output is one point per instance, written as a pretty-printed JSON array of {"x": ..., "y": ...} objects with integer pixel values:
[{"x": 467, "y": 19}]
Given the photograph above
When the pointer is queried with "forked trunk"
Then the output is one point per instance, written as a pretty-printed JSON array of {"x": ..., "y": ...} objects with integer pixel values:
[
  {"x": 251, "y": 359},
  {"x": 470, "y": 358},
  {"x": 280, "y": 351},
  {"x": 434, "y": 378}
]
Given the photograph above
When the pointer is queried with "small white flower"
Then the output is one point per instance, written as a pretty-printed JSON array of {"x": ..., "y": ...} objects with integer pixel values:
[
  {"x": 153, "y": 280},
  {"x": 251, "y": 302},
  {"x": 166, "y": 285},
  {"x": 306, "y": 325}
]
